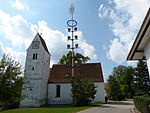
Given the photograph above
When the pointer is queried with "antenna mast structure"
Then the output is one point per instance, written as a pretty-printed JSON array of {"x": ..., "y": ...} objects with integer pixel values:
[{"x": 72, "y": 28}]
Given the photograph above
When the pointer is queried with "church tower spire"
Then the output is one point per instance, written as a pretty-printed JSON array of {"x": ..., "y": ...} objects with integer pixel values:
[{"x": 36, "y": 73}]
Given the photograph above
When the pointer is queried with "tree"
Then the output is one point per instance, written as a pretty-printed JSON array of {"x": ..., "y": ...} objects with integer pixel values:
[
  {"x": 82, "y": 91},
  {"x": 122, "y": 77},
  {"x": 10, "y": 83},
  {"x": 78, "y": 58},
  {"x": 113, "y": 89},
  {"x": 129, "y": 81},
  {"x": 141, "y": 79}
]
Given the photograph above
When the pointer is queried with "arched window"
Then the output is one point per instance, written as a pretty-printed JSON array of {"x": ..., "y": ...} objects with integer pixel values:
[
  {"x": 33, "y": 68},
  {"x": 34, "y": 56}
]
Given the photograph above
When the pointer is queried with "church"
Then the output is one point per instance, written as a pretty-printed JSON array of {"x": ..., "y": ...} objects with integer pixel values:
[{"x": 45, "y": 85}]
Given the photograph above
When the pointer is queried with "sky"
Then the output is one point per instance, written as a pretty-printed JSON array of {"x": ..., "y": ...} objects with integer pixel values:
[{"x": 106, "y": 28}]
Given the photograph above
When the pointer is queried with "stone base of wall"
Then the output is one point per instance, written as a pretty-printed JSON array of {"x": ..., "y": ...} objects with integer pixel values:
[
  {"x": 59, "y": 101},
  {"x": 29, "y": 105}
]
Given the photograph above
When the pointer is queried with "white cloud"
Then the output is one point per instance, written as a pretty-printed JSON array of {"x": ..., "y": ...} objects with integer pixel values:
[
  {"x": 16, "y": 55},
  {"x": 16, "y": 29},
  {"x": 88, "y": 49},
  {"x": 116, "y": 51},
  {"x": 132, "y": 63},
  {"x": 19, "y": 5},
  {"x": 57, "y": 41},
  {"x": 1, "y": 50},
  {"x": 126, "y": 17},
  {"x": 21, "y": 32}
]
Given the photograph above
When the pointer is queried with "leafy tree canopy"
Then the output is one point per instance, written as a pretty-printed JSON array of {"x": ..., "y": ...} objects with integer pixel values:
[
  {"x": 10, "y": 82},
  {"x": 78, "y": 58},
  {"x": 113, "y": 90},
  {"x": 130, "y": 81},
  {"x": 123, "y": 76}
]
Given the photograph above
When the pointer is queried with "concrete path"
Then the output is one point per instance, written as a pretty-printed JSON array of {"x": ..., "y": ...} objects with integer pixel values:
[{"x": 112, "y": 107}]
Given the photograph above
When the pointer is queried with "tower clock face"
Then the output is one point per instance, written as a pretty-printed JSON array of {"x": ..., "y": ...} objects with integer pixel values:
[{"x": 35, "y": 45}]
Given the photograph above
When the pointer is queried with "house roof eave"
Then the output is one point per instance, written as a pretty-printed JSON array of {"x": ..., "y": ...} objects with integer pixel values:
[{"x": 139, "y": 38}]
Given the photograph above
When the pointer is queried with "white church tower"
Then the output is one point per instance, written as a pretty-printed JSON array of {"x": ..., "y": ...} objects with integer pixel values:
[{"x": 36, "y": 73}]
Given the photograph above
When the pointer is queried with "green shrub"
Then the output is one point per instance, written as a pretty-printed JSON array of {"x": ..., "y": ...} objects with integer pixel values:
[
  {"x": 121, "y": 97},
  {"x": 82, "y": 91},
  {"x": 142, "y": 103}
]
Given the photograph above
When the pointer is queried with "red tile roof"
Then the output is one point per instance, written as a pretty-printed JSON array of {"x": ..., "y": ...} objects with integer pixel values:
[{"x": 61, "y": 73}]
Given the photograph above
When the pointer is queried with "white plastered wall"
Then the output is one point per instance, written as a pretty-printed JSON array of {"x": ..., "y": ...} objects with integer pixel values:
[
  {"x": 35, "y": 88},
  {"x": 65, "y": 93},
  {"x": 147, "y": 54}
]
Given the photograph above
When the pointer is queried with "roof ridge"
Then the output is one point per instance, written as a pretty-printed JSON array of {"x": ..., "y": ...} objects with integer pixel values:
[
  {"x": 90, "y": 71},
  {"x": 81, "y": 63},
  {"x": 43, "y": 43}
]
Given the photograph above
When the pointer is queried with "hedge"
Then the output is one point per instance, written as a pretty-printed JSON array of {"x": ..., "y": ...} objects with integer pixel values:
[{"x": 142, "y": 103}]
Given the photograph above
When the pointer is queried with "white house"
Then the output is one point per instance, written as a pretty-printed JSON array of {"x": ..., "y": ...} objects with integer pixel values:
[
  {"x": 53, "y": 85},
  {"x": 141, "y": 46},
  {"x": 60, "y": 82}
]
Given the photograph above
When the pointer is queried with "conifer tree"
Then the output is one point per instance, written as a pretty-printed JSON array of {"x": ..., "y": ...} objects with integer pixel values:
[{"x": 141, "y": 79}]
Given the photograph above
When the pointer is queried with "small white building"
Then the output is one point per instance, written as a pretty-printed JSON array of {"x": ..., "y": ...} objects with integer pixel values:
[
  {"x": 141, "y": 46},
  {"x": 53, "y": 85},
  {"x": 60, "y": 82}
]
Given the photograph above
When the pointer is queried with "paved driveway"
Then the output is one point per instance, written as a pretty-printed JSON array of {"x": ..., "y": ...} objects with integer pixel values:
[{"x": 112, "y": 107}]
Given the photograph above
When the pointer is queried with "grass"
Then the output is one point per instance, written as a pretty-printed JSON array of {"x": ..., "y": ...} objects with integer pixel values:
[{"x": 51, "y": 109}]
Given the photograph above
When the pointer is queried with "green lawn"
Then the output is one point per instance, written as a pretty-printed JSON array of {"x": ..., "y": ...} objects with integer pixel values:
[{"x": 50, "y": 109}]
